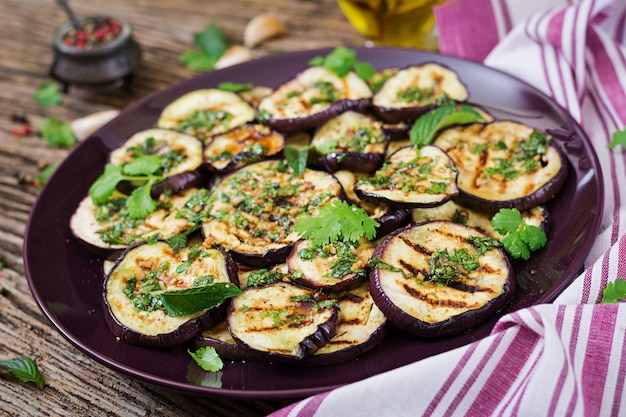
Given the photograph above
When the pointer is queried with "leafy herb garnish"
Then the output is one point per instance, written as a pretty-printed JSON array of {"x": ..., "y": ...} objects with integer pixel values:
[
  {"x": 192, "y": 300},
  {"x": 45, "y": 174},
  {"x": 618, "y": 138},
  {"x": 342, "y": 60},
  {"x": 207, "y": 358},
  {"x": 57, "y": 133},
  {"x": 614, "y": 292},
  {"x": 48, "y": 94},
  {"x": 235, "y": 87},
  {"x": 25, "y": 369},
  {"x": 426, "y": 127},
  {"x": 212, "y": 45},
  {"x": 520, "y": 238},
  {"x": 336, "y": 221},
  {"x": 297, "y": 157}
]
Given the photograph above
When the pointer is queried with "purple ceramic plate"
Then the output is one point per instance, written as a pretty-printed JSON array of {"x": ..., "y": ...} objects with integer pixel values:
[{"x": 66, "y": 279}]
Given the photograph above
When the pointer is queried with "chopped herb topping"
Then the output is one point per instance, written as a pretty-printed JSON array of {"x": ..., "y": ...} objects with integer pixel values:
[{"x": 450, "y": 265}]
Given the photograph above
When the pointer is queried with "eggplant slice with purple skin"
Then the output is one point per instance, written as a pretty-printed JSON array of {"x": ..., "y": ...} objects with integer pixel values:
[
  {"x": 206, "y": 112},
  {"x": 219, "y": 338},
  {"x": 350, "y": 140},
  {"x": 107, "y": 228},
  {"x": 454, "y": 212},
  {"x": 333, "y": 267},
  {"x": 504, "y": 165},
  {"x": 133, "y": 310},
  {"x": 412, "y": 91},
  {"x": 431, "y": 279},
  {"x": 180, "y": 155},
  {"x": 241, "y": 146},
  {"x": 311, "y": 98},
  {"x": 388, "y": 218},
  {"x": 254, "y": 209},
  {"x": 410, "y": 178},
  {"x": 285, "y": 321}
]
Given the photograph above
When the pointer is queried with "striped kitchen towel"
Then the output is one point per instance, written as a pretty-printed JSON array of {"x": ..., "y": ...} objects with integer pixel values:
[{"x": 562, "y": 359}]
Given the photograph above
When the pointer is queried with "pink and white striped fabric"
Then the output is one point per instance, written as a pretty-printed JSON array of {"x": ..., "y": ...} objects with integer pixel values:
[{"x": 562, "y": 359}]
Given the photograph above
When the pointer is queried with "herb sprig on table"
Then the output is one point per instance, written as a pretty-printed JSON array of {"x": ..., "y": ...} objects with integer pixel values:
[
  {"x": 25, "y": 369},
  {"x": 211, "y": 45}
]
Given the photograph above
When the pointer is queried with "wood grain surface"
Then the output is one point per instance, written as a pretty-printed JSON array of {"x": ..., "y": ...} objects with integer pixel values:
[{"x": 76, "y": 385}]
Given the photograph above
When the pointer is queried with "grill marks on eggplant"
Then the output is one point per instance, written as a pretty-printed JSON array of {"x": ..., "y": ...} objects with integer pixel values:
[
  {"x": 504, "y": 164},
  {"x": 313, "y": 97},
  {"x": 254, "y": 210},
  {"x": 414, "y": 302},
  {"x": 206, "y": 112},
  {"x": 136, "y": 316}
]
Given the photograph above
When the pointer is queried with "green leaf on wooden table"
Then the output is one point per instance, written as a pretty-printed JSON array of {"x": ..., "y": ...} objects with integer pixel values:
[
  {"x": 426, "y": 126},
  {"x": 57, "y": 133},
  {"x": 618, "y": 138},
  {"x": 207, "y": 358},
  {"x": 614, "y": 292},
  {"x": 211, "y": 44},
  {"x": 195, "y": 299},
  {"x": 48, "y": 94},
  {"x": 44, "y": 175},
  {"x": 25, "y": 369}
]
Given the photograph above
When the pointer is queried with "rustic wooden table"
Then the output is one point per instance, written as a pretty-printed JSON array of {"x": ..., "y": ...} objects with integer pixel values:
[{"x": 76, "y": 384}]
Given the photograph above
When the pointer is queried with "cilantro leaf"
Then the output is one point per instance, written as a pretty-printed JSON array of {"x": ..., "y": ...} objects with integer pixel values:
[
  {"x": 105, "y": 185},
  {"x": 25, "y": 369},
  {"x": 195, "y": 299},
  {"x": 341, "y": 61},
  {"x": 426, "y": 127},
  {"x": 212, "y": 45},
  {"x": 614, "y": 292},
  {"x": 57, "y": 133},
  {"x": 140, "y": 202},
  {"x": 143, "y": 165},
  {"x": 297, "y": 158},
  {"x": 336, "y": 221},
  {"x": 618, "y": 138},
  {"x": 48, "y": 94},
  {"x": 235, "y": 87},
  {"x": 520, "y": 238},
  {"x": 207, "y": 358}
]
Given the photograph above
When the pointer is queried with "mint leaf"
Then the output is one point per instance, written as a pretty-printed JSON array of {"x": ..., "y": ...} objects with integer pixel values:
[
  {"x": 618, "y": 138},
  {"x": 25, "y": 369},
  {"x": 48, "y": 94},
  {"x": 429, "y": 124},
  {"x": 614, "y": 292},
  {"x": 297, "y": 158},
  {"x": 235, "y": 87},
  {"x": 197, "y": 60},
  {"x": 207, "y": 359},
  {"x": 341, "y": 61},
  {"x": 212, "y": 45},
  {"x": 57, "y": 133},
  {"x": 364, "y": 70},
  {"x": 195, "y": 299}
]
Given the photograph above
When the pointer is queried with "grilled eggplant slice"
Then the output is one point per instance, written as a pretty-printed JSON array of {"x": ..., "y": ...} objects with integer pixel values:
[
  {"x": 219, "y": 337},
  {"x": 452, "y": 211},
  {"x": 351, "y": 141},
  {"x": 389, "y": 219},
  {"x": 206, "y": 112},
  {"x": 242, "y": 146},
  {"x": 412, "y": 91},
  {"x": 180, "y": 158},
  {"x": 432, "y": 280},
  {"x": 283, "y": 320},
  {"x": 504, "y": 165},
  {"x": 411, "y": 178},
  {"x": 109, "y": 227},
  {"x": 255, "y": 94},
  {"x": 362, "y": 327},
  {"x": 134, "y": 311},
  {"x": 313, "y": 97},
  {"x": 254, "y": 210},
  {"x": 332, "y": 267}
]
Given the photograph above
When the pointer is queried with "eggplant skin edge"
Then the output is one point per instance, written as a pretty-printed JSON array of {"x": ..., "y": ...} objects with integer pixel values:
[
  {"x": 317, "y": 119},
  {"x": 452, "y": 326}
]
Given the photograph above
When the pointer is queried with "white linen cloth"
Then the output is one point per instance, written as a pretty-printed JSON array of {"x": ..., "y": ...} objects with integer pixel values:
[{"x": 567, "y": 358}]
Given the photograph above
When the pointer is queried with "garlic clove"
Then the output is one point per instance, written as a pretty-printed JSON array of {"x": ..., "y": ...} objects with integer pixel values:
[
  {"x": 261, "y": 28},
  {"x": 85, "y": 126},
  {"x": 236, "y": 54}
]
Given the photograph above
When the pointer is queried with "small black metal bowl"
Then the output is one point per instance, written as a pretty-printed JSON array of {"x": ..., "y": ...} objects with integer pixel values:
[{"x": 109, "y": 64}]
